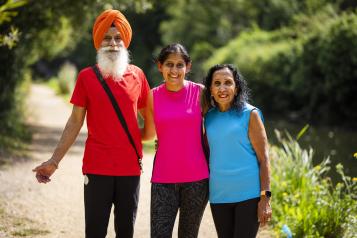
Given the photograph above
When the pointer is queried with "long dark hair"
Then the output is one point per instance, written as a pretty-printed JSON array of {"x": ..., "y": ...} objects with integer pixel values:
[{"x": 242, "y": 96}]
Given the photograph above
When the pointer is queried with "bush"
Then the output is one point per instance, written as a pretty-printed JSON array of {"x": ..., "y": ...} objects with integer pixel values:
[
  {"x": 308, "y": 69},
  {"x": 268, "y": 60},
  {"x": 66, "y": 78},
  {"x": 329, "y": 61},
  {"x": 305, "y": 199},
  {"x": 14, "y": 135}
]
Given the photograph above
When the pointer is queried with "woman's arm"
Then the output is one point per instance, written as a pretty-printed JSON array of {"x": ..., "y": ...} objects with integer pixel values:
[
  {"x": 259, "y": 141},
  {"x": 148, "y": 132}
]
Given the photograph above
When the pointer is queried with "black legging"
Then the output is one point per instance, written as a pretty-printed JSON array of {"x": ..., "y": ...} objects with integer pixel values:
[
  {"x": 166, "y": 199},
  {"x": 99, "y": 195},
  {"x": 235, "y": 220}
]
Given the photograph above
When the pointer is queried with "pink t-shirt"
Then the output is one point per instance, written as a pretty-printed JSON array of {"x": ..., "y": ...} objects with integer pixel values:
[{"x": 177, "y": 115}]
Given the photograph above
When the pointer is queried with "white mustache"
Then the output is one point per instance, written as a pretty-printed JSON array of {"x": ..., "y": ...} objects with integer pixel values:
[{"x": 109, "y": 48}]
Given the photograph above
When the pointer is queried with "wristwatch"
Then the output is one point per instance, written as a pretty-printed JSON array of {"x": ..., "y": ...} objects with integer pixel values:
[{"x": 266, "y": 193}]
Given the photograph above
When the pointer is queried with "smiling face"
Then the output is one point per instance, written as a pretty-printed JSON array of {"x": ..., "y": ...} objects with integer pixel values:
[
  {"x": 223, "y": 88},
  {"x": 173, "y": 70}
]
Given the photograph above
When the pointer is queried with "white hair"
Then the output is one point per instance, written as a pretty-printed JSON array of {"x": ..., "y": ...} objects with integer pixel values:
[{"x": 113, "y": 63}]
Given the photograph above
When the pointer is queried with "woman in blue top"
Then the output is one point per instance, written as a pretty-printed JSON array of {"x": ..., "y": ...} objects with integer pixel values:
[{"x": 239, "y": 183}]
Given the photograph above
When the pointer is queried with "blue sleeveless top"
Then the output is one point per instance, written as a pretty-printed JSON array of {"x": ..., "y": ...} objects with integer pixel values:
[{"x": 234, "y": 166}]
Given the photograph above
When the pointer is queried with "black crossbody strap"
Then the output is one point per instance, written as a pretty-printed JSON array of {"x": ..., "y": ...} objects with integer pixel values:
[{"x": 118, "y": 112}]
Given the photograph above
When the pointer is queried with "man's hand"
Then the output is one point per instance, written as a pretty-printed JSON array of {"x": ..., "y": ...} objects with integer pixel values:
[
  {"x": 70, "y": 132},
  {"x": 45, "y": 170}
]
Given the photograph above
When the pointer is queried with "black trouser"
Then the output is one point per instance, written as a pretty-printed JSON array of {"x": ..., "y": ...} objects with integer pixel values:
[
  {"x": 99, "y": 195},
  {"x": 166, "y": 199},
  {"x": 233, "y": 220}
]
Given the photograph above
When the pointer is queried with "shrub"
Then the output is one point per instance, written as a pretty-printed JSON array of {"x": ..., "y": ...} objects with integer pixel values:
[
  {"x": 14, "y": 134},
  {"x": 329, "y": 62},
  {"x": 66, "y": 78},
  {"x": 268, "y": 60},
  {"x": 308, "y": 68},
  {"x": 305, "y": 199}
]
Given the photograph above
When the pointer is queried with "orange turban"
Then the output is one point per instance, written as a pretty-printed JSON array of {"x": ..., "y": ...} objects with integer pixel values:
[{"x": 104, "y": 22}]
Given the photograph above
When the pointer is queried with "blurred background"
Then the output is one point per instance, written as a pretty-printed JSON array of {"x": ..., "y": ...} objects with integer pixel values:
[{"x": 299, "y": 58}]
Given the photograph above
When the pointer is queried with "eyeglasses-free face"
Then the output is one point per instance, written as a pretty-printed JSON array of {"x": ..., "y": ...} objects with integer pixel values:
[
  {"x": 112, "y": 39},
  {"x": 174, "y": 70},
  {"x": 223, "y": 88}
]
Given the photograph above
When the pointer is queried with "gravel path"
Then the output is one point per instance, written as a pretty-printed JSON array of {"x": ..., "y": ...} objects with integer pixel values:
[{"x": 58, "y": 206}]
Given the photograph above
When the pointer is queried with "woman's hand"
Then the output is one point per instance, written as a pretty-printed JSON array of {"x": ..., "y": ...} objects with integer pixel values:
[{"x": 264, "y": 210}]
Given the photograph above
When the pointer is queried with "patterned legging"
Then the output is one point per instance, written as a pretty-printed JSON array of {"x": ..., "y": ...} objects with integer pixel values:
[{"x": 167, "y": 199}]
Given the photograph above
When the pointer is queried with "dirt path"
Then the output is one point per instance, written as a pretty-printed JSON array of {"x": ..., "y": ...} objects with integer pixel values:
[{"x": 58, "y": 206}]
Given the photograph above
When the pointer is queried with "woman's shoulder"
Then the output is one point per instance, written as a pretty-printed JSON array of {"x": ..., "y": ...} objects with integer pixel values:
[
  {"x": 194, "y": 85},
  {"x": 249, "y": 109},
  {"x": 158, "y": 88}
]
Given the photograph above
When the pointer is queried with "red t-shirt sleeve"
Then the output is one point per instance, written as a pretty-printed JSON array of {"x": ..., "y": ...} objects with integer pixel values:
[
  {"x": 145, "y": 88},
  {"x": 79, "y": 95}
]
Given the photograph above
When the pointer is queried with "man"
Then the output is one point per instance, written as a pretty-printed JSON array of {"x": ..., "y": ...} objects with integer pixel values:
[{"x": 110, "y": 164}]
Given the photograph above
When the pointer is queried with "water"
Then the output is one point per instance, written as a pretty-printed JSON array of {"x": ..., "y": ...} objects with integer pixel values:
[{"x": 338, "y": 143}]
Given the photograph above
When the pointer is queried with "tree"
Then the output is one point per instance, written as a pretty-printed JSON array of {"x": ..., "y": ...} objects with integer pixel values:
[
  {"x": 7, "y": 12},
  {"x": 48, "y": 29},
  {"x": 203, "y": 26}
]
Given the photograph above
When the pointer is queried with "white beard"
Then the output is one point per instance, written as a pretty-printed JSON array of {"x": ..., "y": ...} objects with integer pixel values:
[{"x": 113, "y": 63}]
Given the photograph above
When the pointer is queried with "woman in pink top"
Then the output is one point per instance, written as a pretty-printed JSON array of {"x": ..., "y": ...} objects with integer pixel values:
[{"x": 180, "y": 171}]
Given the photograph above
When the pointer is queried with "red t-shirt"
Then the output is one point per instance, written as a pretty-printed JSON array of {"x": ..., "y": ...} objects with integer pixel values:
[{"x": 108, "y": 150}]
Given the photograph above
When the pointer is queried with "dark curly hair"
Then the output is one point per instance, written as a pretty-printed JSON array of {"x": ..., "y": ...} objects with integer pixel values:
[{"x": 242, "y": 96}]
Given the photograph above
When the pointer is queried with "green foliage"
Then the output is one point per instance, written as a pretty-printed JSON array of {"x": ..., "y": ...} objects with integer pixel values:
[
  {"x": 66, "y": 78},
  {"x": 268, "y": 60},
  {"x": 302, "y": 131},
  {"x": 309, "y": 68},
  {"x": 8, "y": 10},
  {"x": 10, "y": 39},
  {"x": 44, "y": 30},
  {"x": 210, "y": 24},
  {"x": 307, "y": 201},
  {"x": 14, "y": 135},
  {"x": 330, "y": 59},
  {"x": 199, "y": 25}
]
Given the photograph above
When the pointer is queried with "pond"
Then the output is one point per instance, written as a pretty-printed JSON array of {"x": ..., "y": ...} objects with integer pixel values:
[{"x": 340, "y": 144}]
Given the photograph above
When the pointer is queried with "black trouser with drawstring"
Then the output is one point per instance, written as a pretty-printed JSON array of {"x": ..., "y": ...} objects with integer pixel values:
[
  {"x": 166, "y": 199},
  {"x": 99, "y": 195}
]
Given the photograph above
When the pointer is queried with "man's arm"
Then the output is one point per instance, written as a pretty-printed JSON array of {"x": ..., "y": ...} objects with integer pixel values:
[
  {"x": 148, "y": 132},
  {"x": 69, "y": 135}
]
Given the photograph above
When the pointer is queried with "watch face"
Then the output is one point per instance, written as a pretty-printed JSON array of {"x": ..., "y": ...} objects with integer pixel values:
[{"x": 268, "y": 194}]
